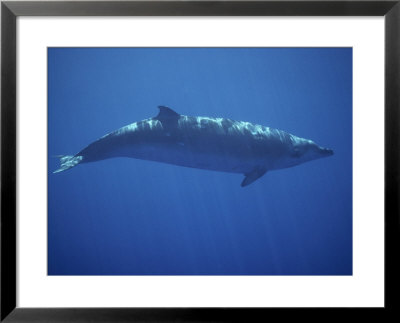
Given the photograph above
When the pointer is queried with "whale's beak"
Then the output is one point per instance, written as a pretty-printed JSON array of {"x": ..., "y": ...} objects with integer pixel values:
[{"x": 325, "y": 152}]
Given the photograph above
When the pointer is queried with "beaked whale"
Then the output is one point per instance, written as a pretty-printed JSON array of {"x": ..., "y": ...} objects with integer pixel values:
[{"x": 201, "y": 142}]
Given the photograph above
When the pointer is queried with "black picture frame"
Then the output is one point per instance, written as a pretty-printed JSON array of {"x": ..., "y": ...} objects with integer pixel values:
[{"x": 10, "y": 10}]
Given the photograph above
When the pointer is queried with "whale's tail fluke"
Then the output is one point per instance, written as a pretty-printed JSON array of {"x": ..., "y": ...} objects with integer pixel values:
[{"x": 67, "y": 162}]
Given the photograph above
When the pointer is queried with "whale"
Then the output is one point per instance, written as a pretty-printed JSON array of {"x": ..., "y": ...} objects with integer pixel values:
[{"x": 215, "y": 144}]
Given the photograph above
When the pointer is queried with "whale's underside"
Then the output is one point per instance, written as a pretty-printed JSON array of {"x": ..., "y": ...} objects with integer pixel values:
[{"x": 217, "y": 144}]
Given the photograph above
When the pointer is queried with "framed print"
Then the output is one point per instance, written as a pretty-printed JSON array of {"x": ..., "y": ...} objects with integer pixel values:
[{"x": 198, "y": 161}]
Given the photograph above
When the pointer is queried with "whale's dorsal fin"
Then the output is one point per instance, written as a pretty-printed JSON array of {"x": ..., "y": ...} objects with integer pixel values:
[
  {"x": 253, "y": 176},
  {"x": 166, "y": 112},
  {"x": 168, "y": 117}
]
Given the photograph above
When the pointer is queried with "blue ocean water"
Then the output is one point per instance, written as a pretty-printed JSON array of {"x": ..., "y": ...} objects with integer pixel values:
[{"x": 133, "y": 217}]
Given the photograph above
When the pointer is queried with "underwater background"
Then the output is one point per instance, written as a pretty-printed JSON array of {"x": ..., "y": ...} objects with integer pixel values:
[{"x": 126, "y": 216}]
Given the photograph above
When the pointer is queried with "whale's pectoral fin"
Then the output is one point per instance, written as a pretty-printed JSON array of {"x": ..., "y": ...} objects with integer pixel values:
[{"x": 253, "y": 176}]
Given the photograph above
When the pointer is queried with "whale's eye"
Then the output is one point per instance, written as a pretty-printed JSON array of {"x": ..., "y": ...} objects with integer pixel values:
[{"x": 296, "y": 153}]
